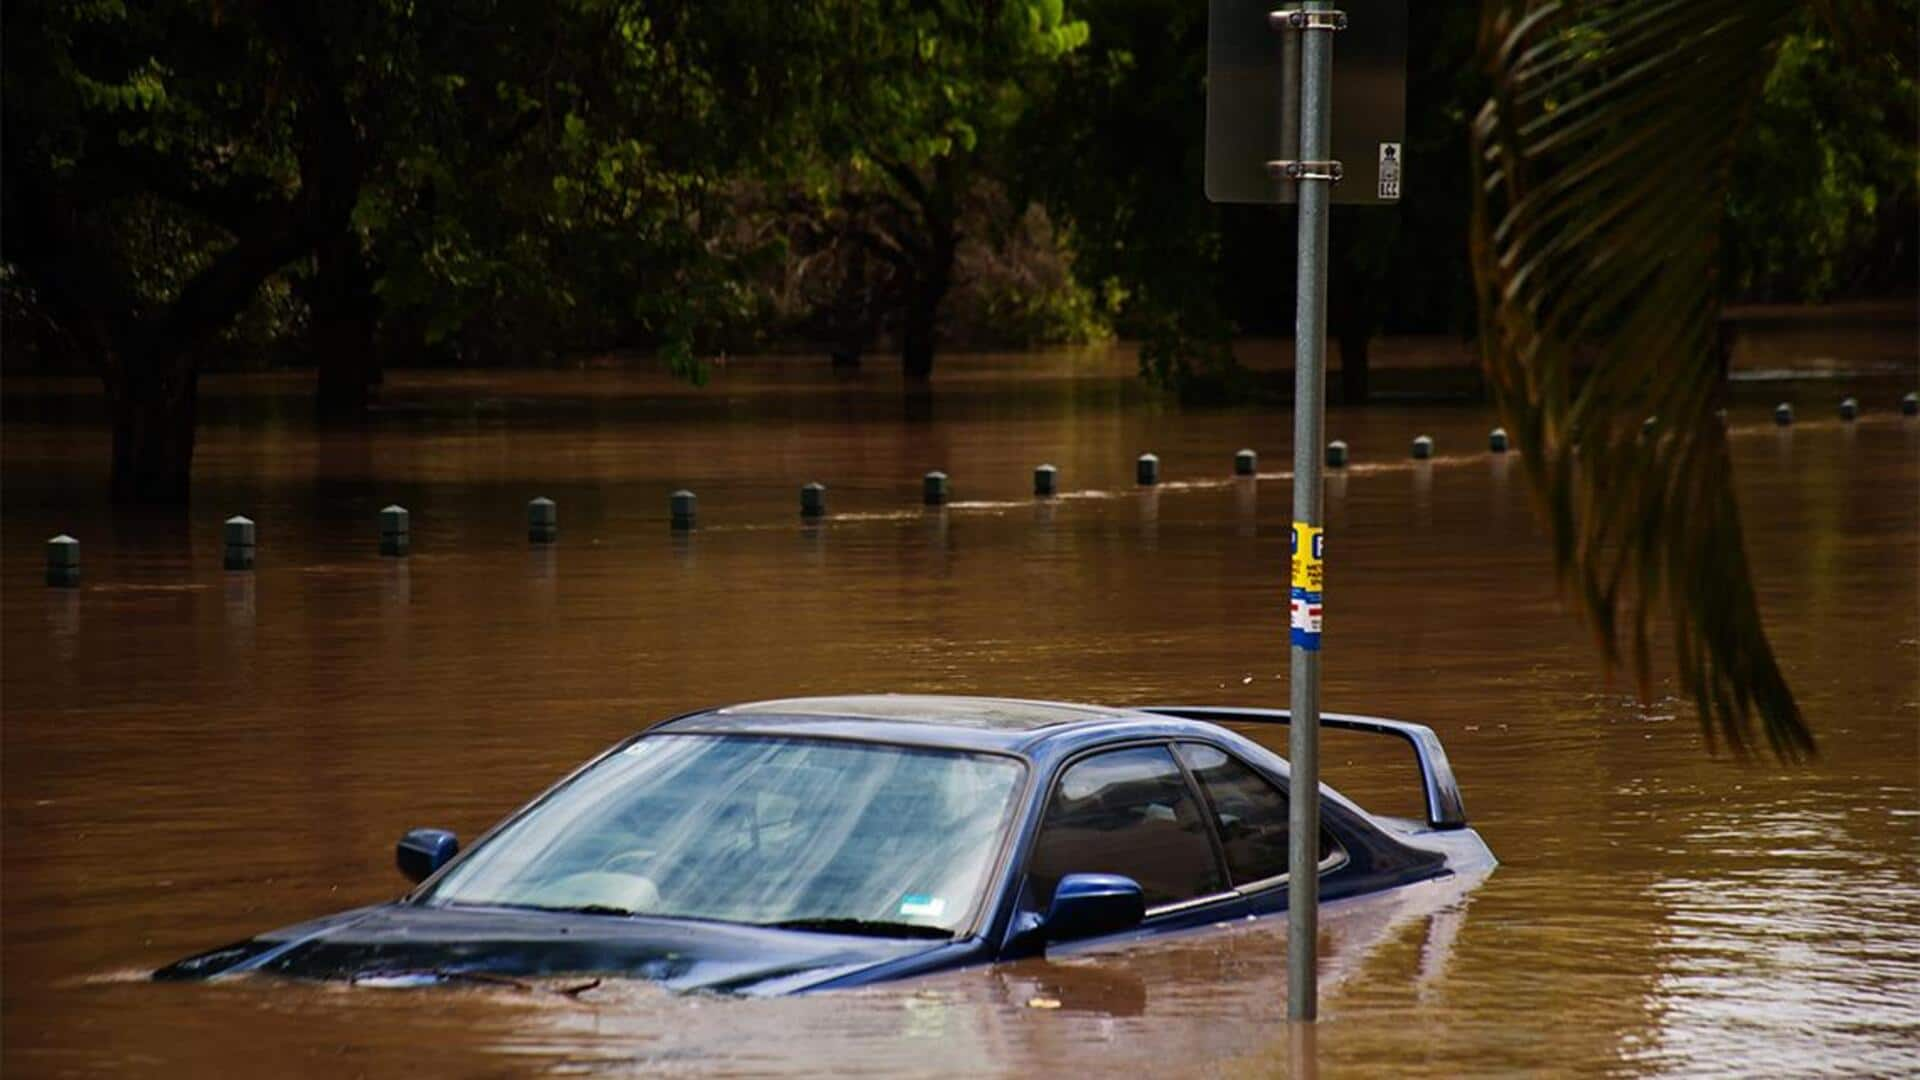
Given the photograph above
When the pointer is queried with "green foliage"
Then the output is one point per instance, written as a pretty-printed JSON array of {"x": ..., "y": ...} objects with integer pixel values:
[
  {"x": 1015, "y": 285},
  {"x": 1823, "y": 192}
]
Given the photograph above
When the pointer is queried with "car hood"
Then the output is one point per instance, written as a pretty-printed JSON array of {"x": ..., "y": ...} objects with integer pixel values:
[{"x": 402, "y": 944}]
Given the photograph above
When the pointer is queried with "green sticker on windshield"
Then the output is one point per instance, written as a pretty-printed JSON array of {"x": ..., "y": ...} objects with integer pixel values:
[{"x": 926, "y": 906}]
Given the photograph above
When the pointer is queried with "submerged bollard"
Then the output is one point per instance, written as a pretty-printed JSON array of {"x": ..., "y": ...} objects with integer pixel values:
[
  {"x": 1046, "y": 481},
  {"x": 543, "y": 520},
  {"x": 395, "y": 533},
  {"x": 685, "y": 510},
  {"x": 1910, "y": 405},
  {"x": 1783, "y": 414},
  {"x": 1849, "y": 408},
  {"x": 1649, "y": 427},
  {"x": 1336, "y": 454},
  {"x": 1423, "y": 447},
  {"x": 1497, "y": 440},
  {"x": 1146, "y": 471},
  {"x": 63, "y": 562},
  {"x": 1246, "y": 463},
  {"x": 813, "y": 500},
  {"x": 239, "y": 535},
  {"x": 933, "y": 488}
]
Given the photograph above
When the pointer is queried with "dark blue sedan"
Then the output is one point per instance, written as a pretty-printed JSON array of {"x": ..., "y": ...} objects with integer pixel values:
[{"x": 822, "y": 843}]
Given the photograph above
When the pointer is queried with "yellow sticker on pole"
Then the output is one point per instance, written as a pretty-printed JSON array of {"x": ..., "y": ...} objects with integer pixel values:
[{"x": 1309, "y": 576}]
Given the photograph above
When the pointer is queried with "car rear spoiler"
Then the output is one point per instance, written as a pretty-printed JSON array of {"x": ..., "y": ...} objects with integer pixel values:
[{"x": 1445, "y": 810}]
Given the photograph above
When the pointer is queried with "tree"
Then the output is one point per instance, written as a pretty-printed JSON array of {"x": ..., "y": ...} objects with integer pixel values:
[
  {"x": 531, "y": 170},
  {"x": 161, "y": 163},
  {"x": 1603, "y": 166},
  {"x": 916, "y": 105}
]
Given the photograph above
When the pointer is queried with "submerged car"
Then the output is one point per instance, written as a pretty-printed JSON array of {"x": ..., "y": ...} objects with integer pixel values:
[{"x": 823, "y": 843}]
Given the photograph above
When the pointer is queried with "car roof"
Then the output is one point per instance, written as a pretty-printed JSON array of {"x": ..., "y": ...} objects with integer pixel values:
[{"x": 971, "y": 723}]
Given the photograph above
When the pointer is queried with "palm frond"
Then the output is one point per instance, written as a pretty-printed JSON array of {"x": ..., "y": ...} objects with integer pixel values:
[{"x": 1601, "y": 164}]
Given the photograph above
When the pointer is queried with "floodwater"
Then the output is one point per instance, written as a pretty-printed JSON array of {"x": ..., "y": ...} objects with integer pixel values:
[{"x": 190, "y": 755}]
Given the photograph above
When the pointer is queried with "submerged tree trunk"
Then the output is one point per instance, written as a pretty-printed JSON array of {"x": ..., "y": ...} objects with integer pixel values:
[
  {"x": 344, "y": 333},
  {"x": 917, "y": 333},
  {"x": 153, "y": 400},
  {"x": 1354, "y": 341},
  {"x": 932, "y": 274}
]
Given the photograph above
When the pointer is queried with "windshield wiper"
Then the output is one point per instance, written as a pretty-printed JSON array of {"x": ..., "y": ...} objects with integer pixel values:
[
  {"x": 866, "y": 927},
  {"x": 570, "y": 909}
]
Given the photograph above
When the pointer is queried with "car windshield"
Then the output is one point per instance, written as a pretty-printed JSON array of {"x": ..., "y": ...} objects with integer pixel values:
[{"x": 811, "y": 833}]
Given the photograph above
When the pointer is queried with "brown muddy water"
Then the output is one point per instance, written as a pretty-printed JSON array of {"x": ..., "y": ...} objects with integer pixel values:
[{"x": 191, "y": 755}]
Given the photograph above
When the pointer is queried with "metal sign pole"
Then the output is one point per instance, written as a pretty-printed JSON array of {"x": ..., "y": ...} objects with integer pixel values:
[{"x": 1309, "y": 406}]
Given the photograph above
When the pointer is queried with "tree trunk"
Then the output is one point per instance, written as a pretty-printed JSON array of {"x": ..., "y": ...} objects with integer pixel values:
[
  {"x": 1354, "y": 341},
  {"x": 916, "y": 336},
  {"x": 343, "y": 334},
  {"x": 933, "y": 272},
  {"x": 153, "y": 404}
]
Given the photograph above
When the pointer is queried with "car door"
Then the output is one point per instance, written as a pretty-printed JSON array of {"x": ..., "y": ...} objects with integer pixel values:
[{"x": 1129, "y": 811}]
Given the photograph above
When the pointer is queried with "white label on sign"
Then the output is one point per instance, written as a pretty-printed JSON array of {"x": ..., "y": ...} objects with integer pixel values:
[{"x": 1390, "y": 170}]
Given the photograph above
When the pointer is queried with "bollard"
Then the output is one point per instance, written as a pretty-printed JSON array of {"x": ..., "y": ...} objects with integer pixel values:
[
  {"x": 1649, "y": 427},
  {"x": 1246, "y": 463},
  {"x": 1849, "y": 408},
  {"x": 1497, "y": 440},
  {"x": 1423, "y": 448},
  {"x": 63, "y": 562},
  {"x": 1783, "y": 414},
  {"x": 1046, "y": 481},
  {"x": 239, "y": 535},
  {"x": 684, "y": 510},
  {"x": 543, "y": 520},
  {"x": 813, "y": 500},
  {"x": 1336, "y": 454},
  {"x": 1910, "y": 405},
  {"x": 395, "y": 536},
  {"x": 1146, "y": 471},
  {"x": 934, "y": 489}
]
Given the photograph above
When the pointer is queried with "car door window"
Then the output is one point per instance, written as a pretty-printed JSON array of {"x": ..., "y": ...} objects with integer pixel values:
[
  {"x": 1127, "y": 812},
  {"x": 1250, "y": 812}
]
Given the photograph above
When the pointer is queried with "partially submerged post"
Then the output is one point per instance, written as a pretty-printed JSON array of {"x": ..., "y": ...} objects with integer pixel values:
[
  {"x": 1046, "y": 481},
  {"x": 543, "y": 520},
  {"x": 1497, "y": 440},
  {"x": 1783, "y": 414},
  {"x": 238, "y": 534},
  {"x": 395, "y": 534},
  {"x": 1314, "y": 175},
  {"x": 1246, "y": 463},
  {"x": 1423, "y": 447},
  {"x": 1849, "y": 408},
  {"x": 813, "y": 501},
  {"x": 1146, "y": 471},
  {"x": 63, "y": 562},
  {"x": 1270, "y": 139},
  {"x": 1336, "y": 454},
  {"x": 1910, "y": 405},
  {"x": 933, "y": 488},
  {"x": 684, "y": 507}
]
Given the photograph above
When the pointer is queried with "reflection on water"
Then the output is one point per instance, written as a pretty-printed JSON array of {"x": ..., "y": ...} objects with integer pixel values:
[{"x": 190, "y": 755}]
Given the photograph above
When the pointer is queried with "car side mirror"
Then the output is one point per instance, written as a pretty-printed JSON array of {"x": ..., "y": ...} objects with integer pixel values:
[
  {"x": 422, "y": 851},
  {"x": 1089, "y": 905}
]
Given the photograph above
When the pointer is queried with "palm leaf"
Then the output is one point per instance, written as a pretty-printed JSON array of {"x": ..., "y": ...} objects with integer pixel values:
[{"x": 1601, "y": 163}]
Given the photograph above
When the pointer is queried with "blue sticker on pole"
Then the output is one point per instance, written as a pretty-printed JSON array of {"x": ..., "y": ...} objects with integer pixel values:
[{"x": 1309, "y": 576}]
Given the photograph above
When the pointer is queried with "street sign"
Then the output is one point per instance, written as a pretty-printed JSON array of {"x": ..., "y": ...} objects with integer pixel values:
[{"x": 1250, "y": 91}]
